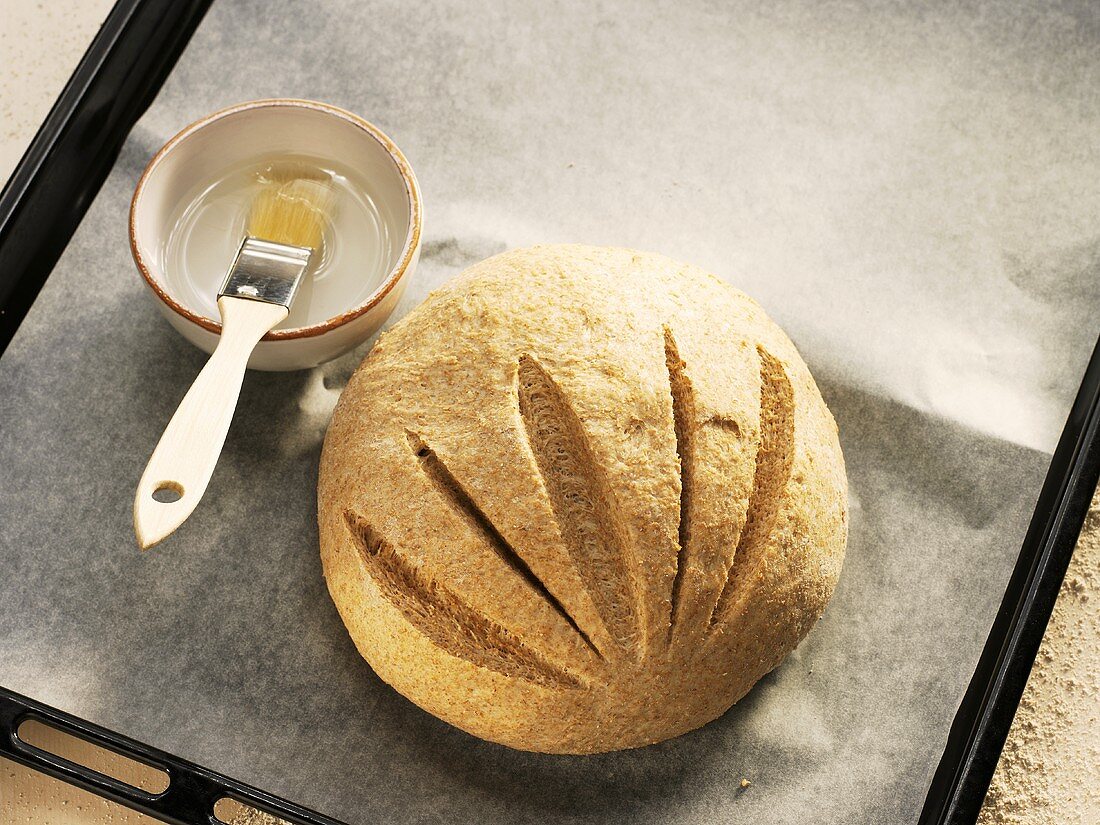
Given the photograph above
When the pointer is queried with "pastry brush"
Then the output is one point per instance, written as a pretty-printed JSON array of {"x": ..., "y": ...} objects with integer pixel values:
[{"x": 285, "y": 223}]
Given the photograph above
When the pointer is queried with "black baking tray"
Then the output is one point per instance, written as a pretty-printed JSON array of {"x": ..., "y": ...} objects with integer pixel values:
[{"x": 44, "y": 202}]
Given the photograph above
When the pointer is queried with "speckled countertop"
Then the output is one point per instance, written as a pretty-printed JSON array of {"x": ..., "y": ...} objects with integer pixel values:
[
  {"x": 40, "y": 45},
  {"x": 1050, "y": 771}
]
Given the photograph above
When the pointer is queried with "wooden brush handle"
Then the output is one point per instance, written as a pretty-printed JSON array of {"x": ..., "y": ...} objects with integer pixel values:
[{"x": 185, "y": 457}]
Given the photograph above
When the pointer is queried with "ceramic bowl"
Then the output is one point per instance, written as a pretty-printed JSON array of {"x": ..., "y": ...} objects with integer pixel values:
[{"x": 249, "y": 132}]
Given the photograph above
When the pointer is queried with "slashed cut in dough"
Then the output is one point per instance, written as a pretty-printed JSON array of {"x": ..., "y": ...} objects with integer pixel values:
[{"x": 581, "y": 499}]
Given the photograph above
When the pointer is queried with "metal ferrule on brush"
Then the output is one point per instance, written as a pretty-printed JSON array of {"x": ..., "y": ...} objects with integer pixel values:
[{"x": 266, "y": 271}]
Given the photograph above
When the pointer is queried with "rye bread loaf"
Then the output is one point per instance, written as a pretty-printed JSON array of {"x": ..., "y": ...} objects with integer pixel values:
[{"x": 581, "y": 499}]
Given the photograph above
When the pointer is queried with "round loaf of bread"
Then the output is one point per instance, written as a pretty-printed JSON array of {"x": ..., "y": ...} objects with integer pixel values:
[{"x": 581, "y": 499}]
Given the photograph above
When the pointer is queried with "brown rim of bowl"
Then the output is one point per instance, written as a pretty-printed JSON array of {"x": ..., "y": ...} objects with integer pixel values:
[{"x": 412, "y": 237}]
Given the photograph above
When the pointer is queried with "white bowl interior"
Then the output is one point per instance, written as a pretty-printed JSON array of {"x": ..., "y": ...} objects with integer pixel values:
[{"x": 248, "y": 137}]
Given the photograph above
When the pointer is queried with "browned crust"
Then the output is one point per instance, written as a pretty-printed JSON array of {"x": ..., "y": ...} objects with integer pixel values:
[{"x": 615, "y": 408}]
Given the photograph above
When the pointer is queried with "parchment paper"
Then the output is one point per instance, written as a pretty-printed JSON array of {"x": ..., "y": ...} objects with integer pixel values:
[{"x": 910, "y": 190}]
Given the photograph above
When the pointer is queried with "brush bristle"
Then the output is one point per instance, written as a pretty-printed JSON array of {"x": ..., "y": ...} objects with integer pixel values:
[{"x": 292, "y": 210}]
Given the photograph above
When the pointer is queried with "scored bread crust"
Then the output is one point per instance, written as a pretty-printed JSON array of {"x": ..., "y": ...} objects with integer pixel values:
[{"x": 581, "y": 499}]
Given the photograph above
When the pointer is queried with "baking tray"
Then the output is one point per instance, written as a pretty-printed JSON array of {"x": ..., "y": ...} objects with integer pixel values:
[{"x": 44, "y": 202}]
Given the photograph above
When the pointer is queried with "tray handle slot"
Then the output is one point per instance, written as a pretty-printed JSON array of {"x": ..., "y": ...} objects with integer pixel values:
[
  {"x": 17, "y": 748},
  {"x": 102, "y": 760},
  {"x": 229, "y": 808},
  {"x": 191, "y": 793}
]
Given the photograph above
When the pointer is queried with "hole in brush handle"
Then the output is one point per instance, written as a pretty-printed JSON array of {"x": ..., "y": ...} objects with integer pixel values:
[{"x": 167, "y": 492}]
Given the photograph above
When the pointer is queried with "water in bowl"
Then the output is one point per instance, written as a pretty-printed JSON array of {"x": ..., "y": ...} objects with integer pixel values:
[{"x": 209, "y": 224}]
